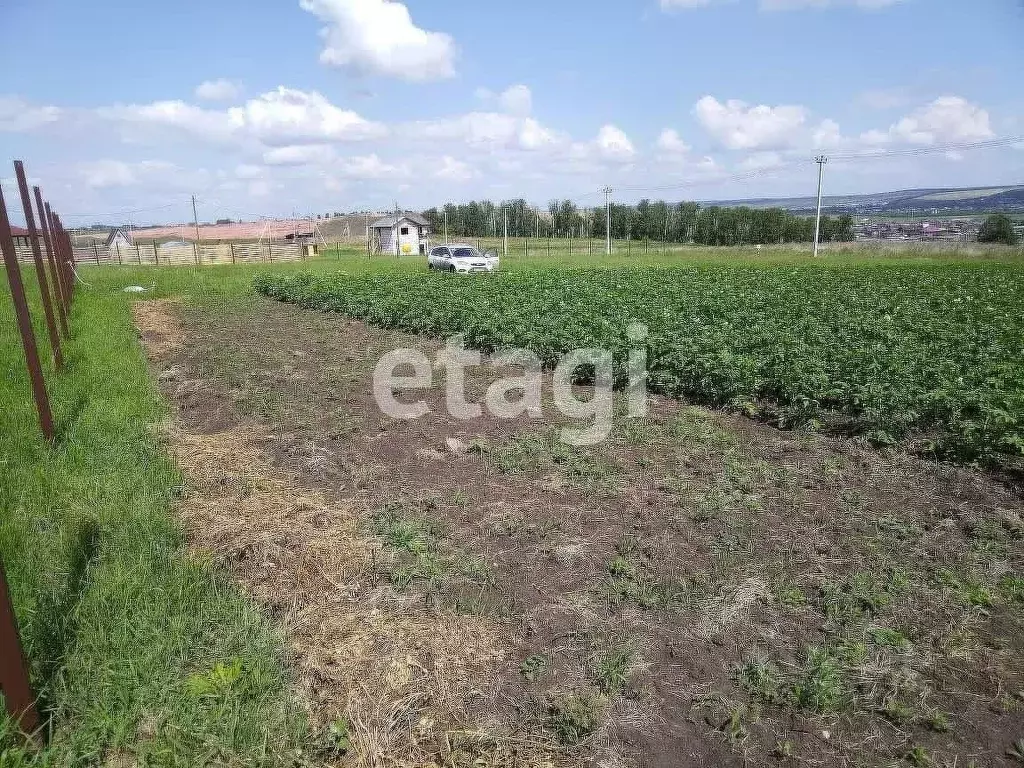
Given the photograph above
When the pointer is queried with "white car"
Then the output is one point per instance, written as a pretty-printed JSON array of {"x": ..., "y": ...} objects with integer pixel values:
[{"x": 462, "y": 258}]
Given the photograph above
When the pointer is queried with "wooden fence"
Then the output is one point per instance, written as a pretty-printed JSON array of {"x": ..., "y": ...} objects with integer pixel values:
[{"x": 176, "y": 254}]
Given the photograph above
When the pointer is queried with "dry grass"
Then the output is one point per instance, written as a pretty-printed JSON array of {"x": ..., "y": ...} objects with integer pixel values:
[{"x": 406, "y": 684}]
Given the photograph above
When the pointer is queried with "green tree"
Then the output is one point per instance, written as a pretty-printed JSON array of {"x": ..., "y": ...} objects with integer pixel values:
[{"x": 998, "y": 228}]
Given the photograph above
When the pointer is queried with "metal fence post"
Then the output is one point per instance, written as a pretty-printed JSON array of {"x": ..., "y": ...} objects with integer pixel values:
[
  {"x": 14, "y": 681},
  {"x": 21, "y": 312},
  {"x": 117, "y": 247},
  {"x": 55, "y": 277},
  {"x": 37, "y": 258},
  {"x": 96, "y": 252},
  {"x": 60, "y": 249}
]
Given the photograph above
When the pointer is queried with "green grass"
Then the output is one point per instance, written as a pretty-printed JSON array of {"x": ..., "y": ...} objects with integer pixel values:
[{"x": 136, "y": 648}]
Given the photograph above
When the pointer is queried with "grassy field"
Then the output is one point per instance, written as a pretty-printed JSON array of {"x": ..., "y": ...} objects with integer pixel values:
[{"x": 153, "y": 643}]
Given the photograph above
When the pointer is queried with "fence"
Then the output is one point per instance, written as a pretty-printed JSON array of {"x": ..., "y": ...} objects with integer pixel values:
[
  {"x": 56, "y": 293},
  {"x": 175, "y": 254}
]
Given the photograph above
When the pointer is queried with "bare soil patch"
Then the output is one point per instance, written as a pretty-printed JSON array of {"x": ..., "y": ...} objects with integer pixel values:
[{"x": 699, "y": 590}]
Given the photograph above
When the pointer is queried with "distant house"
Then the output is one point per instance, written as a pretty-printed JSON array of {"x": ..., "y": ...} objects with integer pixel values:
[
  {"x": 119, "y": 244},
  {"x": 21, "y": 238},
  {"x": 402, "y": 235}
]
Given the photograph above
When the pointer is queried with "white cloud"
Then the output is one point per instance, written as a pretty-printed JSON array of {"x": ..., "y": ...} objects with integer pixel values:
[
  {"x": 612, "y": 144},
  {"x": 179, "y": 115},
  {"x": 737, "y": 125},
  {"x": 827, "y": 134},
  {"x": 299, "y": 154},
  {"x": 248, "y": 171},
  {"x": 517, "y": 100},
  {"x": 379, "y": 37},
  {"x": 17, "y": 115},
  {"x": 286, "y": 115},
  {"x": 672, "y": 143},
  {"x": 947, "y": 119},
  {"x": 454, "y": 170},
  {"x": 487, "y": 130},
  {"x": 790, "y": 5},
  {"x": 278, "y": 118},
  {"x": 782, "y": 5},
  {"x": 370, "y": 167},
  {"x": 104, "y": 174},
  {"x": 218, "y": 90},
  {"x": 672, "y": 5},
  {"x": 761, "y": 161}
]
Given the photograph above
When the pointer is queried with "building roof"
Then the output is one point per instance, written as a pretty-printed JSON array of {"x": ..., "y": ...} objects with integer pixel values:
[
  {"x": 391, "y": 221},
  {"x": 113, "y": 236},
  {"x": 18, "y": 231}
]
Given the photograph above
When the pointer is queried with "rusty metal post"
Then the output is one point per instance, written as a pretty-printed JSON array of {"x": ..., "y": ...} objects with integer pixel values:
[
  {"x": 64, "y": 253},
  {"x": 14, "y": 680},
  {"x": 55, "y": 274},
  {"x": 21, "y": 313},
  {"x": 37, "y": 257},
  {"x": 71, "y": 263}
]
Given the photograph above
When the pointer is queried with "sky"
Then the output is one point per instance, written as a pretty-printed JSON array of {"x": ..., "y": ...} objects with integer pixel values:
[{"x": 124, "y": 110}]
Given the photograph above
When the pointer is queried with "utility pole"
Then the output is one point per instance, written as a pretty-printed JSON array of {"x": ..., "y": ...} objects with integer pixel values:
[
  {"x": 195, "y": 218},
  {"x": 398, "y": 231},
  {"x": 446, "y": 223},
  {"x": 608, "y": 220},
  {"x": 821, "y": 160}
]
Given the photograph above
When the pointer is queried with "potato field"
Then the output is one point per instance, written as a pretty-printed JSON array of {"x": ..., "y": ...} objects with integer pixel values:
[{"x": 933, "y": 357}]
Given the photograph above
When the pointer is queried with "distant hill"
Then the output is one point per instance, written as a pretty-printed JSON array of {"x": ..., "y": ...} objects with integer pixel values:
[{"x": 908, "y": 202}]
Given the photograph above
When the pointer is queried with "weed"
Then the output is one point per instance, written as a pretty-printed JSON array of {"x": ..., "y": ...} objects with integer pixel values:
[
  {"x": 966, "y": 590},
  {"x": 822, "y": 688},
  {"x": 890, "y": 638},
  {"x": 574, "y": 717},
  {"x": 761, "y": 679},
  {"x": 1016, "y": 751},
  {"x": 535, "y": 667},
  {"x": 630, "y": 581},
  {"x": 791, "y": 596},
  {"x": 1012, "y": 588},
  {"x": 217, "y": 682},
  {"x": 612, "y": 670},
  {"x": 918, "y": 756},
  {"x": 861, "y": 596}
]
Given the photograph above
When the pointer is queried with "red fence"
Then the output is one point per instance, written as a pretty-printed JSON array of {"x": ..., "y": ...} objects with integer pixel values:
[{"x": 56, "y": 276}]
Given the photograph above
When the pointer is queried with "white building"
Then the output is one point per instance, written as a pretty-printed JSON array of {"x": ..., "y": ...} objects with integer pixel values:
[
  {"x": 403, "y": 235},
  {"x": 120, "y": 245}
]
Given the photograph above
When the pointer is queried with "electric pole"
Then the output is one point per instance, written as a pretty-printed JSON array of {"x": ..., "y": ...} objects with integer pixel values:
[
  {"x": 195, "y": 219},
  {"x": 821, "y": 160},
  {"x": 608, "y": 220},
  {"x": 446, "y": 224},
  {"x": 504, "y": 247}
]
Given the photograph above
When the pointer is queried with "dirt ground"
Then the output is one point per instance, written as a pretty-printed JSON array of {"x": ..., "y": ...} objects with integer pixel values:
[{"x": 699, "y": 590}]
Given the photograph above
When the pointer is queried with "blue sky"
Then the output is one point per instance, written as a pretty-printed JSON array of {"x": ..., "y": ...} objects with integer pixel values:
[{"x": 123, "y": 110}]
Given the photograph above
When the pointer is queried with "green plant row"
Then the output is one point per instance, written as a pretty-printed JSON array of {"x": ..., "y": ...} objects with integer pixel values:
[{"x": 932, "y": 354}]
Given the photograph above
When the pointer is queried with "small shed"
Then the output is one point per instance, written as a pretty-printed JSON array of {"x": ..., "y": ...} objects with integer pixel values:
[
  {"x": 405, "y": 234},
  {"x": 21, "y": 237},
  {"x": 119, "y": 244}
]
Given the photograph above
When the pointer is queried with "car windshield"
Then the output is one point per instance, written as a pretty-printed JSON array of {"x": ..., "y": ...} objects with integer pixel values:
[{"x": 466, "y": 253}]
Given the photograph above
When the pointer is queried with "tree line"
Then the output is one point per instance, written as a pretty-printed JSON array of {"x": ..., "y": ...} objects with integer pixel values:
[{"x": 658, "y": 220}]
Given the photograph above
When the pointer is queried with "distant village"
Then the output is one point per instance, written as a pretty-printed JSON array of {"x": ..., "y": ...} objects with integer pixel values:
[{"x": 932, "y": 230}]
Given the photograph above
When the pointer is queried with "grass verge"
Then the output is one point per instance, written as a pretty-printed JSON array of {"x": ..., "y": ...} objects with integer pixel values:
[{"x": 139, "y": 652}]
